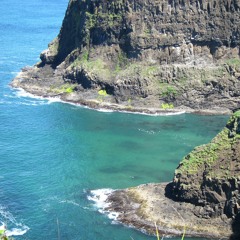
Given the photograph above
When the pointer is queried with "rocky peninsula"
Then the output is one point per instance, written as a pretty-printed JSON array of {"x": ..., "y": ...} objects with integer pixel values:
[
  {"x": 157, "y": 56},
  {"x": 135, "y": 55}
]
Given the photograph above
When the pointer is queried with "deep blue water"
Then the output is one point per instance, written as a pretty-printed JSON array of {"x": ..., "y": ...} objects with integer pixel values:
[{"x": 52, "y": 154}]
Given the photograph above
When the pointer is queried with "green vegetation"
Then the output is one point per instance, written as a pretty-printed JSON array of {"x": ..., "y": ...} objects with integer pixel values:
[
  {"x": 106, "y": 19},
  {"x": 149, "y": 71},
  {"x": 147, "y": 31},
  {"x": 205, "y": 156},
  {"x": 3, "y": 235},
  {"x": 93, "y": 66},
  {"x": 90, "y": 20},
  {"x": 53, "y": 46},
  {"x": 66, "y": 88},
  {"x": 234, "y": 62},
  {"x": 169, "y": 92},
  {"x": 167, "y": 106},
  {"x": 122, "y": 61},
  {"x": 237, "y": 114},
  {"x": 97, "y": 66},
  {"x": 101, "y": 95},
  {"x": 85, "y": 56}
]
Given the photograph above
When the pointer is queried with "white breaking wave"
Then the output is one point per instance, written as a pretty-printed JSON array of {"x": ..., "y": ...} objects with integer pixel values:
[
  {"x": 17, "y": 231},
  {"x": 7, "y": 218},
  {"x": 22, "y": 93},
  {"x": 99, "y": 197},
  {"x": 48, "y": 100},
  {"x": 154, "y": 114},
  {"x": 104, "y": 110},
  {"x": 28, "y": 99}
]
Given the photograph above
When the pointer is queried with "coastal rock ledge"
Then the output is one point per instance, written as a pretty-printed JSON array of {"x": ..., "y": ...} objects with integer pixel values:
[
  {"x": 203, "y": 198},
  {"x": 128, "y": 55}
]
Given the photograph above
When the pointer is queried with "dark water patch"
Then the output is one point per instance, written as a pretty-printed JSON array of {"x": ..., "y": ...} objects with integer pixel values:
[{"x": 130, "y": 146}]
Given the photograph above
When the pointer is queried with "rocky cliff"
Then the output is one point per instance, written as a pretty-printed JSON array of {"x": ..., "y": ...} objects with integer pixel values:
[
  {"x": 210, "y": 175},
  {"x": 158, "y": 53}
]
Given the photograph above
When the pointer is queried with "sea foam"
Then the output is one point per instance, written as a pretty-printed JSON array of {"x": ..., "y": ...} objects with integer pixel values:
[
  {"x": 99, "y": 197},
  {"x": 7, "y": 218}
]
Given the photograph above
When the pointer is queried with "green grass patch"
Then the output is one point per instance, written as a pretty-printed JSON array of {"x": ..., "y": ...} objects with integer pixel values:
[
  {"x": 235, "y": 62},
  {"x": 167, "y": 106},
  {"x": 169, "y": 92},
  {"x": 66, "y": 88},
  {"x": 102, "y": 92},
  {"x": 237, "y": 114},
  {"x": 101, "y": 95}
]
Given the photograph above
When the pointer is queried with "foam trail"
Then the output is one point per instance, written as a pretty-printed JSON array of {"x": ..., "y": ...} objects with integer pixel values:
[
  {"x": 17, "y": 231},
  {"x": 99, "y": 197},
  {"x": 104, "y": 110},
  {"x": 21, "y": 93},
  {"x": 7, "y": 218}
]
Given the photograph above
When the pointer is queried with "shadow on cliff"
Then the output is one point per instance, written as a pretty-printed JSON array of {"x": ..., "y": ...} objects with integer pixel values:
[{"x": 236, "y": 228}]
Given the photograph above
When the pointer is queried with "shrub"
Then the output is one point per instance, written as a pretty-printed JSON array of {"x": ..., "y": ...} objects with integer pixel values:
[{"x": 167, "y": 106}]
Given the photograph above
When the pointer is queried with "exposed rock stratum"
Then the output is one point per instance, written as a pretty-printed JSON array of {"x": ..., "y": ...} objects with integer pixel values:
[{"x": 146, "y": 53}]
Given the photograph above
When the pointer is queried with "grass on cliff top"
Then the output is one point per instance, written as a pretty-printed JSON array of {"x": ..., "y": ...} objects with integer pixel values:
[{"x": 205, "y": 156}]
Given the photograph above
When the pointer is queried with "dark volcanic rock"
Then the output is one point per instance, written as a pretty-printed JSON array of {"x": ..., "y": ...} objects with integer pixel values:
[
  {"x": 158, "y": 53},
  {"x": 209, "y": 176}
]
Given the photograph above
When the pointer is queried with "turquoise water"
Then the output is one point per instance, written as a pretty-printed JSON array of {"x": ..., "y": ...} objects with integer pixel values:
[{"x": 52, "y": 154}]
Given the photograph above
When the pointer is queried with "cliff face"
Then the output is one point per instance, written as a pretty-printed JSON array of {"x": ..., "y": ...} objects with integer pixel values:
[
  {"x": 181, "y": 52},
  {"x": 209, "y": 176},
  {"x": 158, "y": 31}
]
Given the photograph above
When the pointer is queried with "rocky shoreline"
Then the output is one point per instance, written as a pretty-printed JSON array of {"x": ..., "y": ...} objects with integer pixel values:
[
  {"x": 39, "y": 83},
  {"x": 143, "y": 206}
]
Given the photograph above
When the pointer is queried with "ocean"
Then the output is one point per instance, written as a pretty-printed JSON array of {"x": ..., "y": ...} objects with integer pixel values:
[{"x": 53, "y": 154}]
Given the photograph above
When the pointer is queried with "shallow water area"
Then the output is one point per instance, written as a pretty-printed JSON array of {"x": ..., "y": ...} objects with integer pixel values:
[{"x": 53, "y": 154}]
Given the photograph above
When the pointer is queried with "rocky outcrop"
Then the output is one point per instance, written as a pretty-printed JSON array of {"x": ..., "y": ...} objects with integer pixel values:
[
  {"x": 202, "y": 200},
  {"x": 159, "y": 53},
  {"x": 209, "y": 176}
]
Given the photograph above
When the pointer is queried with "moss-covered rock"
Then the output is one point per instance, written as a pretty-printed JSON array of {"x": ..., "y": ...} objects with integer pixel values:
[{"x": 210, "y": 175}]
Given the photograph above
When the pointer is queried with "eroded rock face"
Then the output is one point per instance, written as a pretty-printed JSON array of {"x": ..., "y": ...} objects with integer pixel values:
[
  {"x": 210, "y": 175},
  {"x": 161, "y": 31},
  {"x": 180, "y": 52}
]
